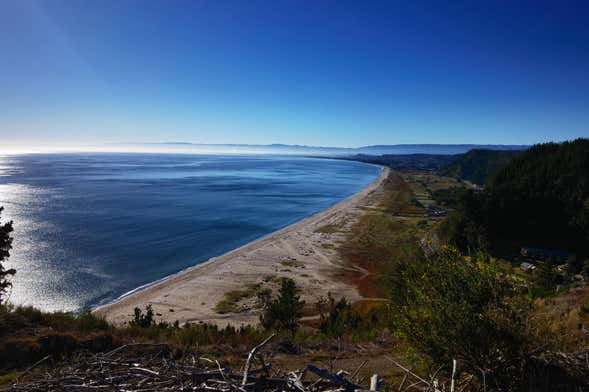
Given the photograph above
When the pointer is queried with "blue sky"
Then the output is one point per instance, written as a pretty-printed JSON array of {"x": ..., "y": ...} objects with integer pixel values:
[{"x": 336, "y": 73}]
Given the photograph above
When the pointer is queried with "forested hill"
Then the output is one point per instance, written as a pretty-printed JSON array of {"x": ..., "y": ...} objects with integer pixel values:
[
  {"x": 478, "y": 165},
  {"x": 540, "y": 199},
  {"x": 433, "y": 162},
  {"x": 545, "y": 192}
]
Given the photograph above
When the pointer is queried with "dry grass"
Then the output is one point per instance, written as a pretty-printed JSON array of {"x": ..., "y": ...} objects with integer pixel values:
[
  {"x": 328, "y": 229},
  {"x": 399, "y": 199},
  {"x": 566, "y": 316},
  {"x": 236, "y": 301},
  {"x": 381, "y": 236}
]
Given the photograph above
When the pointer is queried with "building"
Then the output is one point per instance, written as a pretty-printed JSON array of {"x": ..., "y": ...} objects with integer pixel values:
[
  {"x": 528, "y": 267},
  {"x": 434, "y": 210}
]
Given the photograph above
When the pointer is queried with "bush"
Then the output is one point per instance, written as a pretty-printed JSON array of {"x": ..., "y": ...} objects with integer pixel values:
[
  {"x": 546, "y": 277},
  {"x": 142, "y": 320},
  {"x": 453, "y": 307},
  {"x": 337, "y": 317},
  {"x": 14, "y": 318}
]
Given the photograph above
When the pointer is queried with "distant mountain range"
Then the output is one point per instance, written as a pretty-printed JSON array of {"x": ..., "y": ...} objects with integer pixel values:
[{"x": 394, "y": 149}]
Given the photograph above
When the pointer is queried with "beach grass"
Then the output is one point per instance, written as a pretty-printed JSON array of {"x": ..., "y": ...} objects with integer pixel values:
[
  {"x": 328, "y": 229},
  {"x": 233, "y": 300}
]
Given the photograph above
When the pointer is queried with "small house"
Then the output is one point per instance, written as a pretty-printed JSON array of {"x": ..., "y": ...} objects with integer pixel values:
[
  {"x": 527, "y": 267},
  {"x": 436, "y": 211}
]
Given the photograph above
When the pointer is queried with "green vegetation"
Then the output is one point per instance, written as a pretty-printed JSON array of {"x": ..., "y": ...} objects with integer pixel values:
[
  {"x": 328, "y": 229},
  {"x": 377, "y": 238},
  {"x": 453, "y": 307},
  {"x": 21, "y": 317},
  {"x": 5, "y": 246},
  {"x": 404, "y": 162},
  {"x": 283, "y": 312},
  {"x": 477, "y": 309},
  {"x": 337, "y": 317},
  {"x": 232, "y": 301},
  {"x": 400, "y": 199},
  {"x": 540, "y": 199},
  {"x": 142, "y": 320},
  {"x": 28, "y": 334},
  {"x": 449, "y": 197},
  {"x": 478, "y": 166}
]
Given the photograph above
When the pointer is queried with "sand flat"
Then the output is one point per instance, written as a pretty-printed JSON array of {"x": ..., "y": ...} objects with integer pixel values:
[{"x": 302, "y": 251}]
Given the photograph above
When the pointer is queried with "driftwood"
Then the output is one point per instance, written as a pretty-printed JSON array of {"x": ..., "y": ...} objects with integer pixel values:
[
  {"x": 250, "y": 358},
  {"x": 337, "y": 379},
  {"x": 152, "y": 368},
  {"x": 135, "y": 368}
]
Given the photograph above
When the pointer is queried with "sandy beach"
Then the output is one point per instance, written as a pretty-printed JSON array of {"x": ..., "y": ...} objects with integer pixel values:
[{"x": 305, "y": 251}]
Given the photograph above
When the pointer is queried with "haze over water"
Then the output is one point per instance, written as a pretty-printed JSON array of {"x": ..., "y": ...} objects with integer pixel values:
[{"x": 91, "y": 227}]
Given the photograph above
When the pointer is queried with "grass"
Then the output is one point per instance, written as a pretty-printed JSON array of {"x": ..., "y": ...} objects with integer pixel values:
[
  {"x": 28, "y": 334},
  {"x": 383, "y": 235},
  {"x": 374, "y": 241},
  {"x": 292, "y": 263},
  {"x": 565, "y": 318},
  {"x": 399, "y": 199},
  {"x": 15, "y": 318},
  {"x": 231, "y": 302},
  {"x": 328, "y": 229},
  {"x": 9, "y": 377}
]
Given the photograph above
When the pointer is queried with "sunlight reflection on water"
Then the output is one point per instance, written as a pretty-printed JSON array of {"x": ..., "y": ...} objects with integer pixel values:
[{"x": 88, "y": 228}]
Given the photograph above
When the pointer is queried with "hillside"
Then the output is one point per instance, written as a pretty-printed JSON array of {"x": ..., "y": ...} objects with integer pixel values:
[
  {"x": 431, "y": 162},
  {"x": 435, "y": 149},
  {"x": 542, "y": 196},
  {"x": 539, "y": 199},
  {"x": 479, "y": 165},
  {"x": 476, "y": 165}
]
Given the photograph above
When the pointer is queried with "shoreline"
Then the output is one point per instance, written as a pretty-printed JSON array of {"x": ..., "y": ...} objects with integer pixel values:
[{"x": 173, "y": 297}]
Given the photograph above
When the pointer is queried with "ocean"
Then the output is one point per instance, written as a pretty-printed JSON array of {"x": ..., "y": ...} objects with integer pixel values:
[{"x": 91, "y": 227}]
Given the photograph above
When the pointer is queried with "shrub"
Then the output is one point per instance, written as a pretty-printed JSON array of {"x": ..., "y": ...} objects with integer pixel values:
[
  {"x": 142, "y": 320},
  {"x": 454, "y": 307},
  {"x": 337, "y": 317},
  {"x": 283, "y": 312}
]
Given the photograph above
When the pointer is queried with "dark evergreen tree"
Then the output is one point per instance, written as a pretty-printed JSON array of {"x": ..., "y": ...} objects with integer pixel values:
[
  {"x": 143, "y": 320},
  {"x": 283, "y": 312},
  {"x": 5, "y": 246}
]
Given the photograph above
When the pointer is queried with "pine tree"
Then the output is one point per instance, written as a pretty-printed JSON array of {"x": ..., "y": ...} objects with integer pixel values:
[
  {"x": 284, "y": 312},
  {"x": 5, "y": 246}
]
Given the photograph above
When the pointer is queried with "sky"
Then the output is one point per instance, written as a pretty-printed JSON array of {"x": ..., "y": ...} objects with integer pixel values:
[{"x": 323, "y": 73}]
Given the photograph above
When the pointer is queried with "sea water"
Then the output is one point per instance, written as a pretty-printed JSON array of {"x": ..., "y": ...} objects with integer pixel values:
[{"x": 91, "y": 227}]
